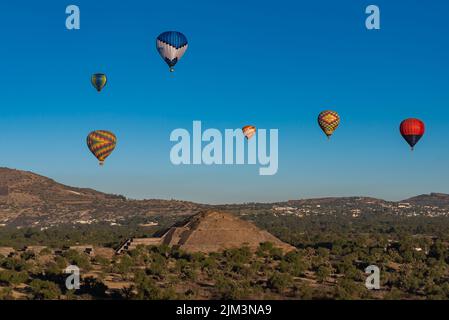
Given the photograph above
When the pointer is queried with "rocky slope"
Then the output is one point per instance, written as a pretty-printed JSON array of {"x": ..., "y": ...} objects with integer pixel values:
[{"x": 28, "y": 199}]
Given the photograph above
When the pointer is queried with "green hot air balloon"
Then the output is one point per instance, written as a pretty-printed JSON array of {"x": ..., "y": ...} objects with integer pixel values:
[{"x": 98, "y": 80}]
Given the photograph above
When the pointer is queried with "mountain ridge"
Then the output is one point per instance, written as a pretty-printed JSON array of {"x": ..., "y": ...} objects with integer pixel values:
[{"x": 30, "y": 199}]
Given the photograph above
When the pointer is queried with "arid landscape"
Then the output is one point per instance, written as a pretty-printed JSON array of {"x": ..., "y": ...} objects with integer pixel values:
[
  {"x": 28, "y": 199},
  {"x": 167, "y": 249}
]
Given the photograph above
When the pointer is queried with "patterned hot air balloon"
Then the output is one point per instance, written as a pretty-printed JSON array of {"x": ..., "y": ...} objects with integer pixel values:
[
  {"x": 249, "y": 131},
  {"x": 171, "y": 45},
  {"x": 328, "y": 121},
  {"x": 412, "y": 130},
  {"x": 101, "y": 143},
  {"x": 98, "y": 80}
]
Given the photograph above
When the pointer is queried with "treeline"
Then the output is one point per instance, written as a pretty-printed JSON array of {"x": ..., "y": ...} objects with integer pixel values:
[
  {"x": 299, "y": 232},
  {"x": 327, "y": 228},
  {"x": 312, "y": 272},
  {"x": 100, "y": 234},
  {"x": 69, "y": 235}
]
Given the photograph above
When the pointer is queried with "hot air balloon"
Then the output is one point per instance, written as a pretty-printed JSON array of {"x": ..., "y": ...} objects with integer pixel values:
[
  {"x": 328, "y": 121},
  {"x": 412, "y": 130},
  {"x": 98, "y": 80},
  {"x": 249, "y": 131},
  {"x": 171, "y": 45},
  {"x": 101, "y": 143}
]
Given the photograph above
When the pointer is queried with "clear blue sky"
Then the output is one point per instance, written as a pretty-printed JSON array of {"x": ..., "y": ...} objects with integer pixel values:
[{"x": 274, "y": 64}]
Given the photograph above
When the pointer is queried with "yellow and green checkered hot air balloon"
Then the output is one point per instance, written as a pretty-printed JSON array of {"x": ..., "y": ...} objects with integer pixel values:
[
  {"x": 101, "y": 143},
  {"x": 98, "y": 80},
  {"x": 328, "y": 121}
]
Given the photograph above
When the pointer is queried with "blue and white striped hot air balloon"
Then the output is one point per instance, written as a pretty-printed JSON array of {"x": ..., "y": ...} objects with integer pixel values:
[{"x": 171, "y": 45}]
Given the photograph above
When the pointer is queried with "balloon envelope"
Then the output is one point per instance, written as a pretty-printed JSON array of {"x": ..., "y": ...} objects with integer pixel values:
[
  {"x": 328, "y": 121},
  {"x": 412, "y": 130},
  {"x": 101, "y": 143},
  {"x": 171, "y": 45},
  {"x": 249, "y": 131},
  {"x": 98, "y": 80}
]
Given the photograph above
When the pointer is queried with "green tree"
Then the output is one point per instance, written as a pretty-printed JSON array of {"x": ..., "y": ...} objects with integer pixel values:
[
  {"x": 10, "y": 277},
  {"x": 146, "y": 288},
  {"x": 229, "y": 289},
  {"x": 323, "y": 273},
  {"x": 44, "y": 290},
  {"x": 279, "y": 281},
  {"x": 78, "y": 259}
]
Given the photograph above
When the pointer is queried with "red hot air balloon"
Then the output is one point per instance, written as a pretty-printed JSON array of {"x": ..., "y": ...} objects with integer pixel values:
[{"x": 412, "y": 130}]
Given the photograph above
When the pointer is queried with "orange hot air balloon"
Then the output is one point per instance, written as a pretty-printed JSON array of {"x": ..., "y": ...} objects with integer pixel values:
[
  {"x": 328, "y": 121},
  {"x": 412, "y": 130},
  {"x": 249, "y": 131},
  {"x": 101, "y": 143}
]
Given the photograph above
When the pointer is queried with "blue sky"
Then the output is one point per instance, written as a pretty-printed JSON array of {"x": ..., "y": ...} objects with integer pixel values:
[{"x": 273, "y": 64}]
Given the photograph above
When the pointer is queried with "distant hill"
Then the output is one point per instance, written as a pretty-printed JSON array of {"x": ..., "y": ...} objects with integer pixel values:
[
  {"x": 31, "y": 200},
  {"x": 337, "y": 201},
  {"x": 433, "y": 199}
]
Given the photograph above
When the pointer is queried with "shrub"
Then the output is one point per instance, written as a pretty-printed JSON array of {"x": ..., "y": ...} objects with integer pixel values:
[
  {"x": 78, "y": 259},
  {"x": 124, "y": 265},
  {"x": 146, "y": 288},
  {"x": 323, "y": 273},
  {"x": 279, "y": 281},
  {"x": 6, "y": 294},
  {"x": 102, "y": 261},
  {"x": 28, "y": 255},
  {"x": 10, "y": 277},
  {"x": 44, "y": 290},
  {"x": 228, "y": 289}
]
